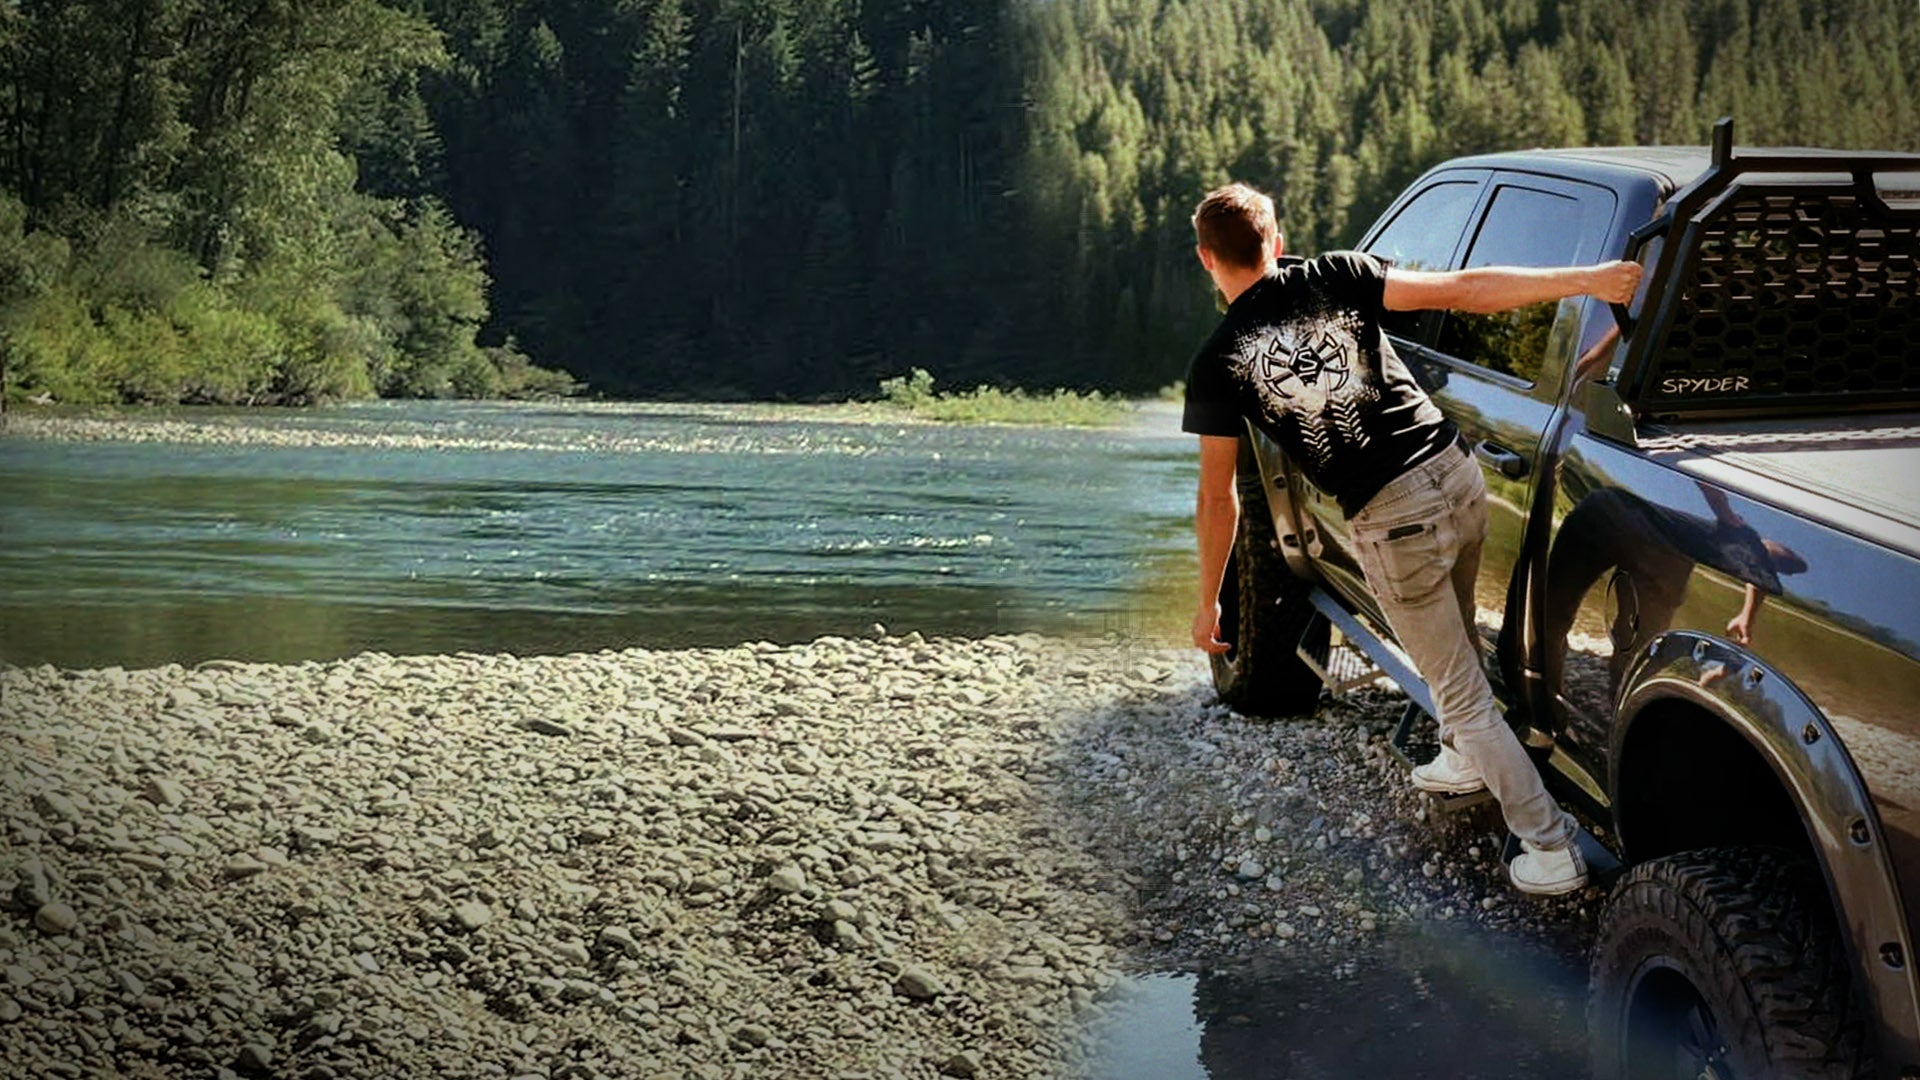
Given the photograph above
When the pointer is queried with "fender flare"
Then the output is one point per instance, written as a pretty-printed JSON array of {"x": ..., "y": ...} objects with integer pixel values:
[{"x": 1812, "y": 765}]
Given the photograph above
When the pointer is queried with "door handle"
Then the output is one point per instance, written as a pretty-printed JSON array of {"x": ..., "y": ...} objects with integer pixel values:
[{"x": 1510, "y": 465}]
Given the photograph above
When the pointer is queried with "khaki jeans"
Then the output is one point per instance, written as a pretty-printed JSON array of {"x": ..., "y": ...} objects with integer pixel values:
[{"x": 1418, "y": 541}]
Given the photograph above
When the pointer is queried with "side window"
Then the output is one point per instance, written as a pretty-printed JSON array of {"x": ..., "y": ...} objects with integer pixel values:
[
  {"x": 1523, "y": 227},
  {"x": 1422, "y": 237}
]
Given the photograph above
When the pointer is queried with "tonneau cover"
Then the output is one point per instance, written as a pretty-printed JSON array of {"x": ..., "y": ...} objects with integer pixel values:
[{"x": 1864, "y": 470}]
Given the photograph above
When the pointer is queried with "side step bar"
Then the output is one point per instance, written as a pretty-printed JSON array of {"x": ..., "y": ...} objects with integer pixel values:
[
  {"x": 1387, "y": 658},
  {"x": 1359, "y": 647},
  {"x": 1360, "y": 656}
]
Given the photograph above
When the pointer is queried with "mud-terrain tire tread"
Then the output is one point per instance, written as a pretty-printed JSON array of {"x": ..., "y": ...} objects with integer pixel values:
[
  {"x": 1268, "y": 610},
  {"x": 1761, "y": 918}
]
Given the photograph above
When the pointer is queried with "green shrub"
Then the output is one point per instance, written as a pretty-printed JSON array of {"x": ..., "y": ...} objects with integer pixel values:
[{"x": 914, "y": 393}]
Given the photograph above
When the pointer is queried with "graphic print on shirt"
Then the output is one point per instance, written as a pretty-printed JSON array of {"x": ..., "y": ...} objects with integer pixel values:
[{"x": 1309, "y": 376}]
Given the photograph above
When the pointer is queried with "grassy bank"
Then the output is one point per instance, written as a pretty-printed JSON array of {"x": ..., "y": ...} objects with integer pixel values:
[{"x": 914, "y": 394}]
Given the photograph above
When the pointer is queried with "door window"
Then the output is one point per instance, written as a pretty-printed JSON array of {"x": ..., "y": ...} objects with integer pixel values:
[
  {"x": 1523, "y": 227},
  {"x": 1422, "y": 236}
]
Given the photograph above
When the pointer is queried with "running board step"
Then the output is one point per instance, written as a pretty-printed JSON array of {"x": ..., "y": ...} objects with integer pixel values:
[
  {"x": 1382, "y": 657},
  {"x": 1385, "y": 657},
  {"x": 1339, "y": 666}
]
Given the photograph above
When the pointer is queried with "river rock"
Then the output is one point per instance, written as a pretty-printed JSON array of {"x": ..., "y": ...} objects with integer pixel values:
[
  {"x": 619, "y": 940},
  {"x": 919, "y": 983},
  {"x": 56, "y": 807},
  {"x": 911, "y": 792},
  {"x": 56, "y": 919},
  {"x": 164, "y": 792},
  {"x": 787, "y": 879},
  {"x": 471, "y": 915},
  {"x": 32, "y": 891},
  {"x": 256, "y": 1057},
  {"x": 240, "y": 867}
]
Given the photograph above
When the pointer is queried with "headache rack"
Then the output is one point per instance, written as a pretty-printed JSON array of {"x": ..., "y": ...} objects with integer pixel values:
[{"x": 1781, "y": 282}]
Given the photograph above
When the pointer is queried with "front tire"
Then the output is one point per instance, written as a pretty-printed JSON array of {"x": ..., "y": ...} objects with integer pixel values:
[
  {"x": 1724, "y": 963},
  {"x": 1264, "y": 613}
]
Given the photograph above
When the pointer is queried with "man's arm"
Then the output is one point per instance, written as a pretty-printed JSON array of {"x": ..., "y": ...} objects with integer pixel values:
[
  {"x": 1488, "y": 289},
  {"x": 1216, "y": 515}
]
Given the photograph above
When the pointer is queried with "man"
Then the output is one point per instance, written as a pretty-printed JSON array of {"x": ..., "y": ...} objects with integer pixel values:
[{"x": 1299, "y": 352}]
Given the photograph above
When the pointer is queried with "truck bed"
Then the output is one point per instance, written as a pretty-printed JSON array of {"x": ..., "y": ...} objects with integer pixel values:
[{"x": 1860, "y": 474}]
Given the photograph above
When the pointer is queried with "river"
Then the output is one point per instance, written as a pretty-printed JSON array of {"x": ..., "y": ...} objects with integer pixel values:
[{"x": 428, "y": 527}]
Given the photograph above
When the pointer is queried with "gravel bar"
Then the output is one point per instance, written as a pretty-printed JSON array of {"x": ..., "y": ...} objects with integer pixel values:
[{"x": 892, "y": 857}]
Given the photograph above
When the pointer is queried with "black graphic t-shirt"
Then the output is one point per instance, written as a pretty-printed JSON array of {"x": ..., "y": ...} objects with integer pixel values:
[{"x": 1300, "y": 354}]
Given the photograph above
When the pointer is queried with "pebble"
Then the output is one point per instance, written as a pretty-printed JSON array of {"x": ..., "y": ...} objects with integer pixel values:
[
  {"x": 919, "y": 983},
  {"x": 752, "y": 1035},
  {"x": 240, "y": 867},
  {"x": 56, "y": 918},
  {"x": 33, "y": 889},
  {"x": 846, "y": 935},
  {"x": 164, "y": 792},
  {"x": 787, "y": 879},
  {"x": 55, "y": 806},
  {"x": 471, "y": 915},
  {"x": 620, "y": 940}
]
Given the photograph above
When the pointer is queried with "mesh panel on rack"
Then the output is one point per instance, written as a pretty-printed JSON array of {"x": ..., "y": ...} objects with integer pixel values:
[{"x": 1809, "y": 294}]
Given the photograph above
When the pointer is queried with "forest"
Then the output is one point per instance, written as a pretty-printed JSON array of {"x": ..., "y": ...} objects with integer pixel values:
[{"x": 286, "y": 201}]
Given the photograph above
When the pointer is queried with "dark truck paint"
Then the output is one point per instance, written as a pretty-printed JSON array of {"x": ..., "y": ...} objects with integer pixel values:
[{"x": 1767, "y": 388}]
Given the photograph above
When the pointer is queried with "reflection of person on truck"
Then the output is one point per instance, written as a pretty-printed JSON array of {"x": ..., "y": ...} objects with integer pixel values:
[
  {"x": 1655, "y": 549},
  {"x": 1300, "y": 353}
]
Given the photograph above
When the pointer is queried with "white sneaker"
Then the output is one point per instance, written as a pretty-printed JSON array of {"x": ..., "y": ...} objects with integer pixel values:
[
  {"x": 1544, "y": 872},
  {"x": 1449, "y": 774}
]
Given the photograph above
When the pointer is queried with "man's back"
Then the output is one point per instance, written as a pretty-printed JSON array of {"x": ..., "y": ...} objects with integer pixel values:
[{"x": 1300, "y": 353}]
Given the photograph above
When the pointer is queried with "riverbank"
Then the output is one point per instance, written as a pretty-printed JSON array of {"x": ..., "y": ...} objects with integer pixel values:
[
  {"x": 283, "y": 427},
  {"x": 887, "y": 857}
]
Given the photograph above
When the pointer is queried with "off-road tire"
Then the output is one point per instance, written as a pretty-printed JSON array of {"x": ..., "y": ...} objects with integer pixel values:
[
  {"x": 1750, "y": 931},
  {"x": 1263, "y": 614}
]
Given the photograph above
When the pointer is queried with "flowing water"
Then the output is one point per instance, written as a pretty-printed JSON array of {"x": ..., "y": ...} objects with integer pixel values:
[{"x": 435, "y": 527}]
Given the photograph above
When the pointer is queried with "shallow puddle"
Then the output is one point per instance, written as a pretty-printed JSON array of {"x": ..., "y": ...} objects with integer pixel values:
[{"x": 1443, "y": 1002}]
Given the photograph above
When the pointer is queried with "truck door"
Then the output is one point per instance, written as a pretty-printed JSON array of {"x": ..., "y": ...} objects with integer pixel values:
[
  {"x": 1498, "y": 376},
  {"x": 1422, "y": 231}
]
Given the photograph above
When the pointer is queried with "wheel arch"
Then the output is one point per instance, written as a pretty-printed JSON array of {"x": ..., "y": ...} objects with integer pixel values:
[{"x": 1688, "y": 689}]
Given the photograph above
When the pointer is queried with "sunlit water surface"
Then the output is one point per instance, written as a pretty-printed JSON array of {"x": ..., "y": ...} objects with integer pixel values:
[{"x": 436, "y": 527}]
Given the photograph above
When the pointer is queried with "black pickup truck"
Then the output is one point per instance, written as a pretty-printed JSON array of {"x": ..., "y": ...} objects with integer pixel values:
[{"x": 1700, "y": 591}]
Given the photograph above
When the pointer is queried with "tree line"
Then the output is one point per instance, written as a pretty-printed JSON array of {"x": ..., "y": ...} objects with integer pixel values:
[{"x": 300, "y": 199}]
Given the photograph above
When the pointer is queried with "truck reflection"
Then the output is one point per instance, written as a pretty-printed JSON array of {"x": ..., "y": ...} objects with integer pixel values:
[{"x": 1651, "y": 551}]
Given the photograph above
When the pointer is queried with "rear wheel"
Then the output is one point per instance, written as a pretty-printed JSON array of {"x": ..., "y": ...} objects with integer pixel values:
[
  {"x": 1264, "y": 613},
  {"x": 1727, "y": 965}
]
